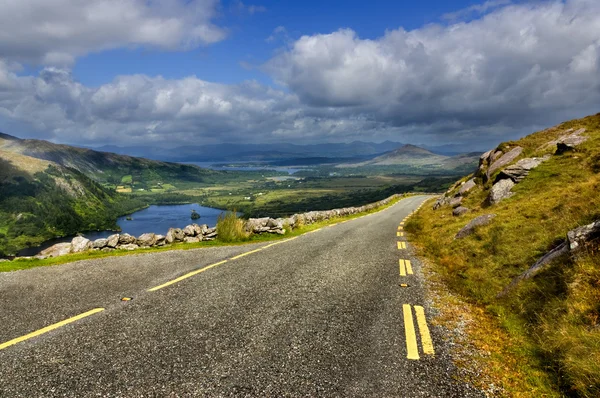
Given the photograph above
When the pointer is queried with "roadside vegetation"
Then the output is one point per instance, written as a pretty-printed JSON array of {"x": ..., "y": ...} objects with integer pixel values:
[
  {"x": 231, "y": 228},
  {"x": 551, "y": 321}
]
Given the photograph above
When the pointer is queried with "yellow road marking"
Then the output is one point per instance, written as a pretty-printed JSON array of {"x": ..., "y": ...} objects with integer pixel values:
[
  {"x": 247, "y": 253},
  {"x": 402, "y": 267},
  {"x": 401, "y": 245},
  {"x": 412, "y": 351},
  {"x": 424, "y": 330},
  {"x": 399, "y": 233},
  {"x": 408, "y": 267},
  {"x": 49, "y": 328},
  {"x": 190, "y": 274},
  {"x": 400, "y": 227},
  {"x": 402, "y": 223}
]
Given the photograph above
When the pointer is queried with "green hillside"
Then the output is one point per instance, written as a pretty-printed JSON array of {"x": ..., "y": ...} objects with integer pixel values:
[
  {"x": 553, "y": 318},
  {"x": 41, "y": 199}
]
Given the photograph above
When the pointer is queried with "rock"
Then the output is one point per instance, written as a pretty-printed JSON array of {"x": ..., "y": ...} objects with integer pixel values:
[
  {"x": 476, "y": 222},
  {"x": 459, "y": 211},
  {"x": 80, "y": 244},
  {"x": 129, "y": 246},
  {"x": 504, "y": 160},
  {"x": 518, "y": 171},
  {"x": 579, "y": 236},
  {"x": 113, "y": 241},
  {"x": 210, "y": 235},
  {"x": 125, "y": 239},
  {"x": 191, "y": 239},
  {"x": 146, "y": 240},
  {"x": 99, "y": 243},
  {"x": 500, "y": 191},
  {"x": 277, "y": 224},
  {"x": 455, "y": 202},
  {"x": 442, "y": 201},
  {"x": 569, "y": 142},
  {"x": 210, "y": 231},
  {"x": 175, "y": 235},
  {"x": 189, "y": 230},
  {"x": 198, "y": 229},
  {"x": 107, "y": 249},
  {"x": 59, "y": 249},
  {"x": 160, "y": 240},
  {"x": 254, "y": 224},
  {"x": 467, "y": 186}
]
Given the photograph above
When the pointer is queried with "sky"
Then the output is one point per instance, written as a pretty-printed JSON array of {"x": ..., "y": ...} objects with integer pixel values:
[{"x": 180, "y": 72}]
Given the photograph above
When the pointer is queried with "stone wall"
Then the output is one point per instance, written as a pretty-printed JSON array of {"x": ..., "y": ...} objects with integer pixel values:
[{"x": 198, "y": 233}]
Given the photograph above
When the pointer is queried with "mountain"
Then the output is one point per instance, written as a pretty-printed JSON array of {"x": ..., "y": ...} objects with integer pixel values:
[
  {"x": 108, "y": 167},
  {"x": 520, "y": 239},
  {"x": 414, "y": 156},
  {"x": 41, "y": 199},
  {"x": 229, "y": 152}
]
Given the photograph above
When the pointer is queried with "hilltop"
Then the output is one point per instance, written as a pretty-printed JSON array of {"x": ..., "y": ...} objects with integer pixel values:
[{"x": 519, "y": 238}]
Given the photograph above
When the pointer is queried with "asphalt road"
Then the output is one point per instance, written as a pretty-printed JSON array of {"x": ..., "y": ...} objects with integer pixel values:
[{"x": 321, "y": 315}]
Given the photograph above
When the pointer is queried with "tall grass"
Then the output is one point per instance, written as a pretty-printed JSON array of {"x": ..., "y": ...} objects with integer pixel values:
[{"x": 230, "y": 228}]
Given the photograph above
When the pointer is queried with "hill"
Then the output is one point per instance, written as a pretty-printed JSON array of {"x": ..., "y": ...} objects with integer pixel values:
[
  {"x": 41, "y": 199},
  {"x": 110, "y": 168},
  {"x": 520, "y": 239},
  {"x": 417, "y": 157}
]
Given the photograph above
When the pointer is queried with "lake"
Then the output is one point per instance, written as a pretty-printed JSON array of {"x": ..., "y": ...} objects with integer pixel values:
[
  {"x": 220, "y": 166},
  {"x": 156, "y": 218}
]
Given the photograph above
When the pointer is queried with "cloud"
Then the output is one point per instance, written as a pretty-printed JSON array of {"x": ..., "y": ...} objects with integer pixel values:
[
  {"x": 516, "y": 67},
  {"x": 241, "y": 8},
  {"x": 55, "y": 32},
  {"x": 476, "y": 9}
]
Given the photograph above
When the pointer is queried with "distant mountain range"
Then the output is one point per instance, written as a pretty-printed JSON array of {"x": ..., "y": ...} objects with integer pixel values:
[{"x": 230, "y": 152}]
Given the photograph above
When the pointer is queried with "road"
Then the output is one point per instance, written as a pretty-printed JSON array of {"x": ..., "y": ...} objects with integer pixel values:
[{"x": 324, "y": 314}]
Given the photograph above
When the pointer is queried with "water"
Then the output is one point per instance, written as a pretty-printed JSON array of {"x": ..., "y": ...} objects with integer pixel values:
[
  {"x": 215, "y": 166},
  {"x": 156, "y": 218}
]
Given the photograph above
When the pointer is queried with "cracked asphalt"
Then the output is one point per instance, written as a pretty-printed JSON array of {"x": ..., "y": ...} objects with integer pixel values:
[{"x": 317, "y": 316}]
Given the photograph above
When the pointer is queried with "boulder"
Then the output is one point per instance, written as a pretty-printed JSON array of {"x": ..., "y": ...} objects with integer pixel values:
[
  {"x": 500, "y": 191},
  {"x": 455, "y": 202},
  {"x": 129, "y": 246},
  {"x": 174, "y": 235},
  {"x": 442, "y": 201},
  {"x": 459, "y": 211},
  {"x": 466, "y": 187},
  {"x": 146, "y": 240},
  {"x": 471, "y": 226},
  {"x": 189, "y": 230},
  {"x": 568, "y": 143},
  {"x": 198, "y": 229},
  {"x": 191, "y": 239},
  {"x": 278, "y": 224},
  {"x": 504, "y": 160},
  {"x": 99, "y": 243},
  {"x": 59, "y": 249},
  {"x": 518, "y": 171},
  {"x": 125, "y": 239},
  {"x": 113, "y": 241},
  {"x": 80, "y": 244},
  {"x": 254, "y": 224},
  {"x": 160, "y": 240}
]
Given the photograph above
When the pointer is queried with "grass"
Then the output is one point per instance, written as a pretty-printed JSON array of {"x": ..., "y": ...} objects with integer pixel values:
[
  {"x": 231, "y": 228},
  {"x": 20, "y": 264},
  {"x": 551, "y": 320}
]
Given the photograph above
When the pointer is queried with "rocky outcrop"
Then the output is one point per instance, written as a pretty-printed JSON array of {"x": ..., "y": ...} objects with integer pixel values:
[
  {"x": 466, "y": 187},
  {"x": 500, "y": 191},
  {"x": 518, "y": 171},
  {"x": 147, "y": 240},
  {"x": 505, "y": 159},
  {"x": 576, "y": 240},
  {"x": 473, "y": 225},
  {"x": 570, "y": 142},
  {"x": 112, "y": 241},
  {"x": 99, "y": 243},
  {"x": 456, "y": 202},
  {"x": 125, "y": 239}
]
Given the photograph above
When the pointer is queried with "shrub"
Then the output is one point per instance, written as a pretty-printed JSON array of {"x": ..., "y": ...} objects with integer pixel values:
[{"x": 230, "y": 228}]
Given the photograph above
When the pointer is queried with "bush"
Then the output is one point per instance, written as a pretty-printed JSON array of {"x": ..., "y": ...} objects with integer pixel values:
[{"x": 230, "y": 228}]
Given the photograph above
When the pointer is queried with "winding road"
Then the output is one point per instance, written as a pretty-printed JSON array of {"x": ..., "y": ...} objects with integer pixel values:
[{"x": 339, "y": 312}]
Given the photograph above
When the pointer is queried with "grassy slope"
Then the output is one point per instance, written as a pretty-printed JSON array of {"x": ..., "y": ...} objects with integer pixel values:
[{"x": 553, "y": 320}]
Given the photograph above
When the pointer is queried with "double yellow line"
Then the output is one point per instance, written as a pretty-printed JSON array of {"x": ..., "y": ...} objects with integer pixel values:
[{"x": 412, "y": 350}]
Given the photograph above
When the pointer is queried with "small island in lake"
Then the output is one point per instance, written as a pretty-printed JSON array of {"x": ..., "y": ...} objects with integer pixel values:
[{"x": 195, "y": 215}]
